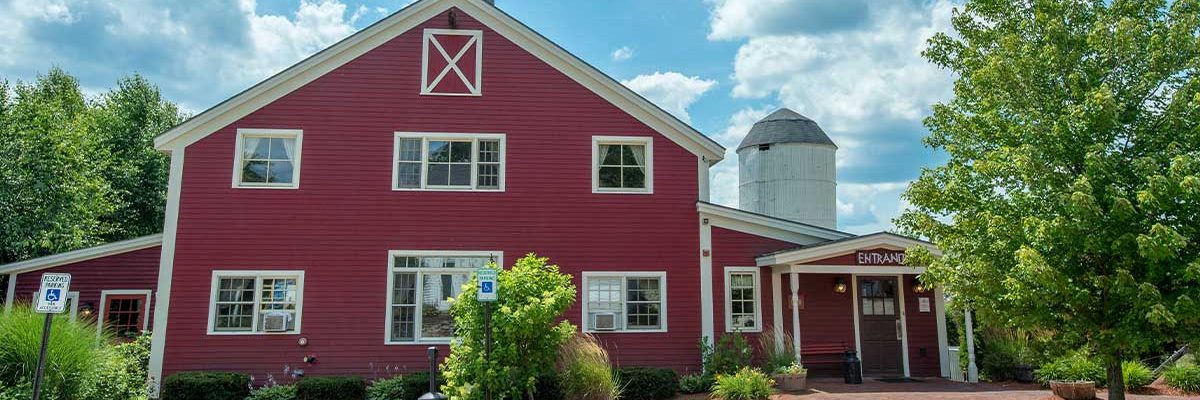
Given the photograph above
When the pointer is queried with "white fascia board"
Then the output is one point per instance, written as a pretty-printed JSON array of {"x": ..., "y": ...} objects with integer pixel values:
[
  {"x": 760, "y": 225},
  {"x": 375, "y": 35},
  {"x": 878, "y": 240},
  {"x": 75, "y": 256}
]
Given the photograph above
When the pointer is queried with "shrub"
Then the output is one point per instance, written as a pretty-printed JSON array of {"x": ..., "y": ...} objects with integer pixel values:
[
  {"x": 1136, "y": 374},
  {"x": 75, "y": 352},
  {"x": 203, "y": 385},
  {"x": 526, "y": 331},
  {"x": 642, "y": 383},
  {"x": 746, "y": 384},
  {"x": 775, "y": 357},
  {"x": 116, "y": 378},
  {"x": 1078, "y": 366},
  {"x": 548, "y": 387},
  {"x": 584, "y": 370},
  {"x": 332, "y": 388},
  {"x": 391, "y": 389},
  {"x": 695, "y": 383},
  {"x": 730, "y": 355},
  {"x": 1184, "y": 377},
  {"x": 280, "y": 392},
  {"x": 417, "y": 384}
]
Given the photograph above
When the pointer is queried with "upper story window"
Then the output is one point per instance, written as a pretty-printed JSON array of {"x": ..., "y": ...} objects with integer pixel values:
[
  {"x": 625, "y": 302},
  {"x": 449, "y": 161},
  {"x": 419, "y": 286},
  {"x": 622, "y": 164},
  {"x": 452, "y": 62},
  {"x": 267, "y": 158},
  {"x": 252, "y": 302}
]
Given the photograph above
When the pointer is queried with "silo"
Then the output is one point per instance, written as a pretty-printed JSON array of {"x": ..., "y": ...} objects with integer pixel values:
[{"x": 787, "y": 169}]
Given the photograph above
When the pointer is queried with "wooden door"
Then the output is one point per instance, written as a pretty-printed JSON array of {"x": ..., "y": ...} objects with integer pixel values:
[
  {"x": 123, "y": 315},
  {"x": 879, "y": 321}
]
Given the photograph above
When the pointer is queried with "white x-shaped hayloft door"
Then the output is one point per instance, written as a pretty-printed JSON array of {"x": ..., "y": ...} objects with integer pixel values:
[{"x": 452, "y": 61}]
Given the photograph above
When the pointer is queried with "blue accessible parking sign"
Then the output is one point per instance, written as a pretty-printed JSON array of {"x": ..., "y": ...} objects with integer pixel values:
[{"x": 487, "y": 284}]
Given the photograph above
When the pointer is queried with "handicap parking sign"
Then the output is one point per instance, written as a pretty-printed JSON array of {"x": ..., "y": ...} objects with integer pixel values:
[
  {"x": 487, "y": 284},
  {"x": 51, "y": 299},
  {"x": 486, "y": 287},
  {"x": 53, "y": 294}
]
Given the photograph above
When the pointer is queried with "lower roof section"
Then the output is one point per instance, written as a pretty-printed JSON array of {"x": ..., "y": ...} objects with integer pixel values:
[{"x": 89, "y": 253}]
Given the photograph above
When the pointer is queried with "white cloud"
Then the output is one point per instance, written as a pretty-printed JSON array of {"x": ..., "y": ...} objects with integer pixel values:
[
  {"x": 732, "y": 19},
  {"x": 869, "y": 207},
  {"x": 672, "y": 91},
  {"x": 622, "y": 54}
]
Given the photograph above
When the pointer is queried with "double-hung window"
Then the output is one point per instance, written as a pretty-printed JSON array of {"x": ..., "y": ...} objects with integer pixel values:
[
  {"x": 622, "y": 164},
  {"x": 267, "y": 158},
  {"x": 420, "y": 285},
  {"x": 743, "y": 311},
  {"x": 451, "y": 161},
  {"x": 251, "y": 302},
  {"x": 625, "y": 301}
]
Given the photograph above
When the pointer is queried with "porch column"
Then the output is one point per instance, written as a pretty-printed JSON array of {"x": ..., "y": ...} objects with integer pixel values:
[
  {"x": 777, "y": 307},
  {"x": 10, "y": 292},
  {"x": 972, "y": 369},
  {"x": 795, "y": 281}
]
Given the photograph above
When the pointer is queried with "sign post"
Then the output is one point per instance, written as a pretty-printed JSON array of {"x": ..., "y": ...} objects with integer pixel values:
[
  {"x": 51, "y": 299},
  {"x": 488, "y": 286}
]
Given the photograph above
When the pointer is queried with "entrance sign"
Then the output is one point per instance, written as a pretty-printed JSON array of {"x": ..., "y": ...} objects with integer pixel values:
[
  {"x": 52, "y": 297},
  {"x": 487, "y": 285},
  {"x": 879, "y": 257}
]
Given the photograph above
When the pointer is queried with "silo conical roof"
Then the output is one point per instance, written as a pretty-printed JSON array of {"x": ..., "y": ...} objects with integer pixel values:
[{"x": 785, "y": 126}]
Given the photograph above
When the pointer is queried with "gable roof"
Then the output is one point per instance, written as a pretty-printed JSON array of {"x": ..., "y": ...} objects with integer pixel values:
[
  {"x": 75, "y": 256},
  {"x": 768, "y": 226},
  {"x": 847, "y": 245},
  {"x": 359, "y": 43}
]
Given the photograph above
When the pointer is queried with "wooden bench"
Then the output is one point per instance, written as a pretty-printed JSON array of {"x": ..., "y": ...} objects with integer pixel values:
[{"x": 822, "y": 351}]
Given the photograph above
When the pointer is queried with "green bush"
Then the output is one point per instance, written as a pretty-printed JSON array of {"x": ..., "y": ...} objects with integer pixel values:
[
  {"x": 1136, "y": 374},
  {"x": 695, "y": 383},
  {"x": 1077, "y": 366},
  {"x": 121, "y": 373},
  {"x": 746, "y": 384},
  {"x": 643, "y": 383},
  {"x": 774, "y": 356},
  {"x": 332, "y": 388},
  {"x": 584, "y": 370},
  {"x": 1185, "y": 377},
  {"x": 278, "y": 392},
  {"x": 528, "y": 331},
  {"x": 390, "y": 389},
  {"x": 22, "y": 391},
  {"x": 205, "y": 385},
  {"x": 75, "y": 352},
  {"x": 548, "y": 387},
  {"x": 417, "y": 384},
  {"x": 730, "y": 355}
]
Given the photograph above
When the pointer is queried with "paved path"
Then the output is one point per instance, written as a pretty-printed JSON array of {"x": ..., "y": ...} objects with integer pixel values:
[{"x": 930, "y": 389}]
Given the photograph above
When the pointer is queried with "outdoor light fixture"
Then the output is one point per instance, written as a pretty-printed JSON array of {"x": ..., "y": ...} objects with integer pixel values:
[
  {"x": 839, "y": 285},
  {"x": 86, "y": 310},
  {"x": 919, "y": 287}
]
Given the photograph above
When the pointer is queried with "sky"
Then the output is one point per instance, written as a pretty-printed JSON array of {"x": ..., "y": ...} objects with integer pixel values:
[{"x": 854, "y": 66}]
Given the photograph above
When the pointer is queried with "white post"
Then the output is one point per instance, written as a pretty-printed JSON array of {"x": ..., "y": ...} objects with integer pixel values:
[
  {"x": 777, "y": 306},
  {"x": 972, "y": 369},
  {"x": 795, "y": 281},
  {"x": 10, "y": 292}
]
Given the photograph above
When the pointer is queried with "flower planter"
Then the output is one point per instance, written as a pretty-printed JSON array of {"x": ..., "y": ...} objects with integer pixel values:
[
  {"x": 791, "y": 383},
  {"x": 1074, "y": 390}
]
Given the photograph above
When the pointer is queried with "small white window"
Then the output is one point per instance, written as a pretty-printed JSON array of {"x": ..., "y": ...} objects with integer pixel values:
[
  {"x": 625, "y": 302},
  {"x": 420, "y": 284},
  {"x": 267, "y": 158},
  {"x": 256, "y": 302},
  {"x": 622, "y": 164},
  {"x": 743, "y": 311},
  {"x": 448, "y": 161}
]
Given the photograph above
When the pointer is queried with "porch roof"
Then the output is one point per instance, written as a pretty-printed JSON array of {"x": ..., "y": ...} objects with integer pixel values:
[{"x": 833, "y": 248}]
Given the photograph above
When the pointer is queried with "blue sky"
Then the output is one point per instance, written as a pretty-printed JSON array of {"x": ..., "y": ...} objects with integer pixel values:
[{"x": 854, "y": 66}]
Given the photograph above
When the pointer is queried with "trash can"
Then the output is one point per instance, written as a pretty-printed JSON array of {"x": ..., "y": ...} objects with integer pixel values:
[{"x": 852, "y": 367}]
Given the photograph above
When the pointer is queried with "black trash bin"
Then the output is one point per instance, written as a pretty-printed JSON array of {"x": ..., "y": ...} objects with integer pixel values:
[{"x": 852, "y": 367}]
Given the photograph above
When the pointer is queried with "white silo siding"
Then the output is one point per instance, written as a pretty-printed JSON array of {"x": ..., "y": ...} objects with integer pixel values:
[{"x": 793, "y": 181}]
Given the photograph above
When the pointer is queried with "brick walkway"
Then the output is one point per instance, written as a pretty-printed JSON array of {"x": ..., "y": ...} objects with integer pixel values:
[{"x": 930, "y": 389}]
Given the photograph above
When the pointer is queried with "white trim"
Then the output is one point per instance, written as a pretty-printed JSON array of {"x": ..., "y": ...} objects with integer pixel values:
[
  {"x": 758, "y": 296},
  {"x": 75, "y": 256},
  {"x": 939, "y": 308},
  {"x": 877, "y": 240},
  {"x": 166, "y": 262},
  {"x": 903, "y": 307},
  {"x": 379, "y": 33},
  {"x": 11, "y": 292},
  {"x": 476, "y": 40},
  {"x": 391, "y": 286},
  {"x": 100, "y": 317},
  {"x": 428, "y": 136},
  {"x": 702, "y": 166},
  {"x": 624, "y": 276},
  {"x": 854, "y": 309},
  {"x": 646, "y": 141},
  {"x": 777, "y": 302},
  {"x": 854, "y": 269},
  {"x": 761, "y": 225},
  {"x": 258, "y": 276},
  {"x": 243, "y": 133},
  {"x": 794, "y": 281},
  {"x": 707, "y": 316}
]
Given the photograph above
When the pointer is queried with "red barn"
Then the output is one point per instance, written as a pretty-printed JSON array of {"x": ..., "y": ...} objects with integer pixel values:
[{"x": 450, "y": 134}]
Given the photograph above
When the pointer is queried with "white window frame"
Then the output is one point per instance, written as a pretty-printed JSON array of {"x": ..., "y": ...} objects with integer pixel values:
[
  {"x": 646, "y": 141},
  {"x": 427, "y": 86},
  {"x": 391, "y": 287},
  {"x": 758, "y": 315},
  {"x": 243, "y": 133},
  {"x": 426, "y": 137},
  {"x": 101, "y": 319},
  {"x": 624, "y": 277},
  {"x": 258, "y": 276}
]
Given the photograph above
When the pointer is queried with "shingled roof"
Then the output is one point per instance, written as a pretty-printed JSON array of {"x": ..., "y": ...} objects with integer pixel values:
[{"x": 785, "y": 126}]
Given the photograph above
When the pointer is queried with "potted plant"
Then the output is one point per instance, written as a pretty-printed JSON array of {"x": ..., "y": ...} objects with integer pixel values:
[
  {"x": 1023, "y": 371},
  {"x": 791, "y": 378},
  {"x": 1074, "y": 390}
]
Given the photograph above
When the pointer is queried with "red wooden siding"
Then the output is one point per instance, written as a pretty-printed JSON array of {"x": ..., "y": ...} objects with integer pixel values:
[
  {"x": 135, "y": 270},
  {"x": 922, "y": 332},
  {"x": 826, "y": 320},
  {"x": 737, "y": 249},
  {"x": 340, "y": 224}
]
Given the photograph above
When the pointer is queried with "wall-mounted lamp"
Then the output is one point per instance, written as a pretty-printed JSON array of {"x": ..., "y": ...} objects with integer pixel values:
[
  {"x": 839, "y": 285},
  {"x": 919, "y": 287},
  {"x": 86, "y": 310}
]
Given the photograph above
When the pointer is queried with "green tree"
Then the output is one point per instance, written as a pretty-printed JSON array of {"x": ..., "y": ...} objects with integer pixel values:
[{"x": 1071, "y": 197}]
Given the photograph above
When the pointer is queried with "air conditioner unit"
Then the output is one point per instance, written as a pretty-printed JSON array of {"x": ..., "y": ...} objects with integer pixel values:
[
  {"x": 604, "y": 321},
  {"x": 275, "y": 322}
]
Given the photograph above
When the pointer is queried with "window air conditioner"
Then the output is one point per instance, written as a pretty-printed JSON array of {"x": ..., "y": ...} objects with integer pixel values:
[{"x": 604, "y": 321}]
